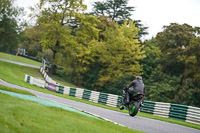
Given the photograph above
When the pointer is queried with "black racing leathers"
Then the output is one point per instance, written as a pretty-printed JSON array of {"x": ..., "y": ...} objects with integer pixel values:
[{"x": 134, "y": 86}]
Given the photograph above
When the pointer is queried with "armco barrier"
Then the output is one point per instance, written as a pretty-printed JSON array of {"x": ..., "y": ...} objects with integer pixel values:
[
  {"x": 46, "y": 77},
  {"x": 193, "y": 115},
  {"x": 52, "y": 87},
  {"x": 94, "y": 96},
  {"x": 79, "y": 93},
  {"x": 39, "y": 83},
  {"x": 175, "y": 111},
  {"x": 72, "y": 92},
  {"x": 35, "y": 81},
  {"x": 148, "y": 107},
  {"x": 66, "y": 90},
  {"x": 178, "y": 111},
  {"x": 112, "y": 100},
  {"x": 168, "y": 110},
  {"x": 27, "y": 78},
  {"x": 103, "y": 98},
  {"x": 161, "y": 109},
  {"x": 86, "y": 94},
  {"x": 61, "y": 89}
]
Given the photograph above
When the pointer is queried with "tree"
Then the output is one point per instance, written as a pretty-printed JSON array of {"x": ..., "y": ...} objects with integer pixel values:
[
  {"x": 119, "y": 11},
  {"x": 120, "y": 53},
  {"x": 179, "y": 45},
  {"x": 191, "y": 59},
  {"x": 10, "y": 25},
  {"x": 55, "y": 20},
  {"x": 31, "y": 41},
  {"x": 115, "y": 9},
  {"x": 172, "y": 42},
  {"x": 104, "y": 22},
  {"x": 162, "y": 87},
  {"x": 159, "y": 86},
  {"x": 151, "y": 61},
  {"x": 190, "y": 91},
  {"x": 84, "y": 52},
  {"x": 115, "y": 59}
]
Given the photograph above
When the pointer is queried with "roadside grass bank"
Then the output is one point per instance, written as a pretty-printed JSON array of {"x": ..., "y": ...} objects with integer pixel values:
[
  {"x": 19, "y": 59},
  {"x": 15, "y": 90},
  {"x": 17, "y": 115},
  {"x": 16, "y": 73},
  {"x": 46, "y": 102},
  {"x": 10, "y": 76}
]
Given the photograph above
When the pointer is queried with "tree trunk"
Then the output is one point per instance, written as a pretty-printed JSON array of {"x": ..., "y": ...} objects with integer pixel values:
[
  {"x": 53, "y": 66},
  {"x": 52, "y": 69}
]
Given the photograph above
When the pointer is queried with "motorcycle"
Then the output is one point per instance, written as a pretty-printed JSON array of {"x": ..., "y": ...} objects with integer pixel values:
[{"x": 135, "y": 101}]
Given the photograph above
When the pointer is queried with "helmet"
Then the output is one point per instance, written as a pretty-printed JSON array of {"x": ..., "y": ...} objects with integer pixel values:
[{"x": 139, "y": 77}]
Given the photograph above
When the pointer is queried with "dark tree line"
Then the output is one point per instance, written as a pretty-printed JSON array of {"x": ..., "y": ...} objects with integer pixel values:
[{"x": 171, "y": 68}]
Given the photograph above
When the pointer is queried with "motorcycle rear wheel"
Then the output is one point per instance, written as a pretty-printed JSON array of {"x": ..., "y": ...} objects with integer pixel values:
[{"x": 133, "y": 108}]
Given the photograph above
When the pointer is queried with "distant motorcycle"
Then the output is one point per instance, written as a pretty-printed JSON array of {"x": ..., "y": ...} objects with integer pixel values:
[{"x": 134, "y": 105}]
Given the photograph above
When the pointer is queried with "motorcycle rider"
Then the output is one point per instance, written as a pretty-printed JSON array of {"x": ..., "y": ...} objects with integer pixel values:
[{"x": 136, "y": 85}]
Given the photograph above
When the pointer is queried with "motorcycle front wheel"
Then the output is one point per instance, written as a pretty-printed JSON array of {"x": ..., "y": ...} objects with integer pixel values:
[{"x": 133, "y": 108}]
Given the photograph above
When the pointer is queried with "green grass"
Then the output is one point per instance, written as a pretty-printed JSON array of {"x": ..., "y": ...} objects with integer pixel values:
[
  {"x": 21, "y": 116},
  {"x": 19, "y": 59},
  {"x": 15, "y": 74},
  {"x": 15, "y": 90}
]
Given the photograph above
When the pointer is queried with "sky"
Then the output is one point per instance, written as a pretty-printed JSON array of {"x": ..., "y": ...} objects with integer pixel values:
[{"x": 152, "y": 13}]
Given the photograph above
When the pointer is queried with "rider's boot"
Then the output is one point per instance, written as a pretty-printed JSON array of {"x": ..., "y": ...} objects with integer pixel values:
[{"x": 121, "y": 107}]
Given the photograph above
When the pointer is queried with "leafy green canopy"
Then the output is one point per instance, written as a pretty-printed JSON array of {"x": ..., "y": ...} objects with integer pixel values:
[
  {"x": 174, "y": 43},
  {"x": 55, "y": 19},
  {"x": 176, "y": 77},
  {"x": 10, "y": 25},
  {"x": 86, "y": 40},
  {"x": 115, "y": 9},
  {"x": 119, "y": 11},
  {"x": 120, "y": 53},
  {"x": 31, "y": 41},
  {"x": 151, "y": 61}
]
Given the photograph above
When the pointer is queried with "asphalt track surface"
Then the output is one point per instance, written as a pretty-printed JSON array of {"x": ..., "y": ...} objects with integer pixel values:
[{"x": 138, "y": 123}]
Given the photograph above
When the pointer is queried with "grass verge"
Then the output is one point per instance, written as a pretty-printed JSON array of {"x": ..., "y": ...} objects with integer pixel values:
[
  {"x": 15, "y": 116},
  {"x": 15, "y": 74},
  {"x": 15, "y": 90},
  {"x": 19, "y": 59}
]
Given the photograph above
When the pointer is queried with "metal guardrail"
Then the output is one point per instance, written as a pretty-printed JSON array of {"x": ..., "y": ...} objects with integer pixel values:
[
  {"x": 178, "y": 111},
  {"x": 148, "y": 107},
  {"x": 175, "y": 111}
]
